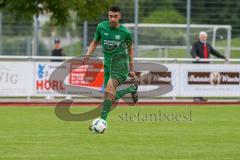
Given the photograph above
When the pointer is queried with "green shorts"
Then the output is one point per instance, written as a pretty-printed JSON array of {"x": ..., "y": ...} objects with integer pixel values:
[
  {"x": 118, "y": 72},
  {"x": 120, "y": 78}
]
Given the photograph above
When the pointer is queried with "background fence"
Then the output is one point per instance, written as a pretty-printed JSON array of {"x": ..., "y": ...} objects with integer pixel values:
[{"x": 22, "y": 37}]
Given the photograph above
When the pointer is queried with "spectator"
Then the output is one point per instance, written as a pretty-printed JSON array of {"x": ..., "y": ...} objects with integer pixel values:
[
  {"x": 57, "y": 51},
  {"x": 202, "y": 49}
]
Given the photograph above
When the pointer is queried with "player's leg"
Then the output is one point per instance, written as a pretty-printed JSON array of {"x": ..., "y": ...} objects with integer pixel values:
[
  {"x": 120, "y": 72},
  {"x": 106, "y": 103},
  {"x": 131, "y": 89},
  {"x": 106, "y": 78},
  {"x": 109, "y": 96},
  {"x": 121, "y": 79},
  {"x": 135, "y": 92}
]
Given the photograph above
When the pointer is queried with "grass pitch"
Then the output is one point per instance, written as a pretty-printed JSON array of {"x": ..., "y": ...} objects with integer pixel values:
[{"x": 146, "y": 132}]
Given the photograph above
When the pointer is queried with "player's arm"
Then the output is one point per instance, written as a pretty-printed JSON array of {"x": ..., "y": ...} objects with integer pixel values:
[
  {"x": 93, "y": 45},
  {"x": 130, "y": 50},
  {"x": 131, "y": 61},
  {"x": 131, "y": 53}
]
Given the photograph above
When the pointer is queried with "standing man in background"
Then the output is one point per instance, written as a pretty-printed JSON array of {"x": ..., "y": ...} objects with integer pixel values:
[
  {"x": 202, "y": 49},
  {"x": 57, "y": 51}
]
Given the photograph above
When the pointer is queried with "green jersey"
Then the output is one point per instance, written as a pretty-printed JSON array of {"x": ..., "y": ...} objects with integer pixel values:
[{"x": 115, "y": 42}]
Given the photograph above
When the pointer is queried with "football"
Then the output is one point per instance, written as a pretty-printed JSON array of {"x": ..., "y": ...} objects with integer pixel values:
[{"x": 99, "y": 125}]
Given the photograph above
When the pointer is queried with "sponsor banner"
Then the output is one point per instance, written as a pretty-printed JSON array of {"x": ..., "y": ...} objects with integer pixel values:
[
  {"x": 183, "y": 80},
  {"x": 167, "y": 81},
  {"x": 16, "y": 79},
  {"x": 213, "y": 78},
  {"x": 90, "y": 76},
  {"x": 42, "y": 85},
  {"x": 171, "y": 77},
  {"x": 210, "y": 80}
]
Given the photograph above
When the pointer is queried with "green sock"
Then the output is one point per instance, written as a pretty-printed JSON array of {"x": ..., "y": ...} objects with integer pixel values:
[
  {"x": 121, "y": 93},
  {"x": 106, "y": 108}
]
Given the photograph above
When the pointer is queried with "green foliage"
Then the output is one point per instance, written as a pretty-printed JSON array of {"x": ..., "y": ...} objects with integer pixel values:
[
  {"x": 65, "y": 15},
  {"x": 15, "y": 25},
  {"x": 146, "y": 9},
  {"x": 73, "y": 49},
  {"x": 163, "y": 16},
  {"x": 72, "y": 28},
  {"x": 214, "y": 12},
  {"x": 170, "y": 36},
  {"x": 14, "y": 46},
  {"x": 19, "y": 46},
  {"x": 60, "y": 9}
]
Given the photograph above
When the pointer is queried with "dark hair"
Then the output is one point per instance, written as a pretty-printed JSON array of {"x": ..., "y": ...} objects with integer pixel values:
[
  {"x": 115, "y": 9},
  {"x": 57, "y": 40}
]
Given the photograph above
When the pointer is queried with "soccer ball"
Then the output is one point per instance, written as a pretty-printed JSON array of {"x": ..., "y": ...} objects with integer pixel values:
[{"x": 99, "y": 125}]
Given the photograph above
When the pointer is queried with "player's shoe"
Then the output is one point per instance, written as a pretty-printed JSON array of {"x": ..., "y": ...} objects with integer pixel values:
[{"x": 135, "y": 93}]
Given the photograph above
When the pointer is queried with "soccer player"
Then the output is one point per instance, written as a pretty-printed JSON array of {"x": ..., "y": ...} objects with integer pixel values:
[{"x": 118, "y": 54}]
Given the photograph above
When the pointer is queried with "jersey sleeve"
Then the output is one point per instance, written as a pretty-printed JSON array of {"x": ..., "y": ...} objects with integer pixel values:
[{"x": 97, "y": 35}]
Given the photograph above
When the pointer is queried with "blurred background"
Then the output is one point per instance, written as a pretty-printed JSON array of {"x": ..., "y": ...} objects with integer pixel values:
[{"x": 165, "y": 28}]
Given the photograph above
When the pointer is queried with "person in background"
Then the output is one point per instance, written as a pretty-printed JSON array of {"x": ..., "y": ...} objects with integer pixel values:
[
  {"x": 58, "y": 50},
  {"x": 202, "y": 49}
]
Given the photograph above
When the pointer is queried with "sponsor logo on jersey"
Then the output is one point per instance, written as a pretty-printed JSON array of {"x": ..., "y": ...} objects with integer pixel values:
[{"x": 117, "y": 37}]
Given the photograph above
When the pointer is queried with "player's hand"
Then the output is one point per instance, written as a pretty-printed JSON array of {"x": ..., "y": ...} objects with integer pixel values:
[
  {"x": 85, "y": 59},
  {"x": 132, "y": 75},
  {"x": 197, "y": 58}
]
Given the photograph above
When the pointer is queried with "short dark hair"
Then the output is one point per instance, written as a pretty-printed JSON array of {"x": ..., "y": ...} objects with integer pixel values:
[
  {"x": 57, "y": 40},
  {"x": 115, "y": 9}
]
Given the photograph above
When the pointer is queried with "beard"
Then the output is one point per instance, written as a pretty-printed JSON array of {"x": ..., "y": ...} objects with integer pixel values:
[{"x": 113, "y": 24}]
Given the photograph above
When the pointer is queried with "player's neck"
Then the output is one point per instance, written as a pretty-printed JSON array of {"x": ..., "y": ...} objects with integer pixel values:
[{"x": 118, "y": 25}]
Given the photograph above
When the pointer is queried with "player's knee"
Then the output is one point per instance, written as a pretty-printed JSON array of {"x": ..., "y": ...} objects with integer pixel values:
[
  {"x": 109, "y": 89},
  {"x": 109, "y": 94}
]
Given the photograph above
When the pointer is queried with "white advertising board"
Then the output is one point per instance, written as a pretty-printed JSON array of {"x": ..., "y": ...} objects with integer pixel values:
[
  {"x": 16, "y": 78},
  {"x": 186, "y": 80},
  {"x": 210, "y": 80}
]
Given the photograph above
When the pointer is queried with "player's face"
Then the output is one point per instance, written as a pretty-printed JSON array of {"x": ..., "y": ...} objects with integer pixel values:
[{"x": 114, "y": 18}]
